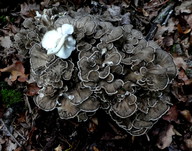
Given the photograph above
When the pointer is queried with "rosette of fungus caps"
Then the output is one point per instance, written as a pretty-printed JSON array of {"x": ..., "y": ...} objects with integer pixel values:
[{"x": 83, "y": 63}]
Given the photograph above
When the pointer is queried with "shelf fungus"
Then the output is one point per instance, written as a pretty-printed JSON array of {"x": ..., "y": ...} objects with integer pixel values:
[{"x": 83, "y": 63}]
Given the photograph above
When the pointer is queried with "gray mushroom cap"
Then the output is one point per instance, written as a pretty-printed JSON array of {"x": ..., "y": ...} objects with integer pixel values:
[
  {"x": 126, "y": 107},
  {"x": 114, "y": 69}
]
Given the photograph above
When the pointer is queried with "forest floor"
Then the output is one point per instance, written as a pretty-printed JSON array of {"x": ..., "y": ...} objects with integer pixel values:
[{"x": 23, "y": 126}]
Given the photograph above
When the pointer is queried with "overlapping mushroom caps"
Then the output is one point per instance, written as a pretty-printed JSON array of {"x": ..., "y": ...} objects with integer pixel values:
[{"x": 107, "y": 67}]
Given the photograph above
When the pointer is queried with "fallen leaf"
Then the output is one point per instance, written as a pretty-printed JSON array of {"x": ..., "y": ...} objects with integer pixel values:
[
  {"x": 187, "y": 115},
  {"x": 180, "y": 63},
  {"x": 183, "y": 30},
  {"x": 58, "y": 148},
  {"x": 182, "y": 76},
  {"x": 32, "y": 89},
  {"x": 188, "y": 18},
  {"x": 185, "y": 7},
  {"x": 93, "y": 125},
  {"x": 22, "y": 118},
  {"x": 188, "y": 143},
  {"x": 165, "y": 137},
  {"x": 168, "y": 41},
  {"x": 6, "y": 42},
  {"x": 29, "y": 9},
  {"x": 95, "y": 148},
  {"x": 18, "y": 149},
  {"x": 172, "y": 114},
  {"x": 17, "y": 72},
  {"x": 10, "y": 146}
]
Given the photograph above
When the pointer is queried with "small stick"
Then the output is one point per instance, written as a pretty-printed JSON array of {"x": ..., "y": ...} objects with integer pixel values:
[{"x": 7, "y": 130}]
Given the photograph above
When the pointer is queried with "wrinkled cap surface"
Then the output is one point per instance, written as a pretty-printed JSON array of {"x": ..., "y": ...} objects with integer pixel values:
[{"x": 114, "y": 68}]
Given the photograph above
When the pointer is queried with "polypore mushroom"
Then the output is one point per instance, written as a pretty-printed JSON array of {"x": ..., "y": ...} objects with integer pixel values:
[{"x": 114, "y": 68}]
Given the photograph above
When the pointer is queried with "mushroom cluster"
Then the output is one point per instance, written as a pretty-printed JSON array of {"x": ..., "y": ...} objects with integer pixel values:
[{"x": 108, "y": 66}]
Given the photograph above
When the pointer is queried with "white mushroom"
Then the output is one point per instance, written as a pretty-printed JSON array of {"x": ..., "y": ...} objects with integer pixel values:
[{"x": 59, "y": 41}]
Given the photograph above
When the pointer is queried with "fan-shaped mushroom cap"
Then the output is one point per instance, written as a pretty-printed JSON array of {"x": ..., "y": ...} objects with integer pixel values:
[
  {"x": 67, "y": 109},
  {"x": 126, "y": 107},
  {"x": 112, "y": 59},
  {"x": 166, "y": 61},
  {"x": 114, "y": 68},
  {"x": 90, "y": 105},
  {"x": 111, "y": 88},
  {"x": 114, "y": 35},
  {"x": 46, "y": 99},
  {"x": 39, "y": 59},
  {"x": 79, "y": 95}
]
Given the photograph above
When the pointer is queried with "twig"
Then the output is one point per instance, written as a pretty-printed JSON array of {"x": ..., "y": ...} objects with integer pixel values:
[
  {"x": 162, "y": 19},
  {"x": 9, "y": 133},
  {"x": 149, "y": 7}
]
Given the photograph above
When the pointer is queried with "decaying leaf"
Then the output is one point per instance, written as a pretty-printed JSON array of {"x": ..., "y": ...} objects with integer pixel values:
[
  {"x": 58, "y": 148},
  {"x": 28, "y": 9},
  {"x": 182, "y": 76},
  {"x": 187, "y": 115},
  {"x": 10, "y": 146},
  {"x": 179, "y": 62},
  {"x": 32, "y": 89},
  {"x": 172, "y": 114},
  {"x": 188, "y": 144},
  {"x": 17, "y": 71},
  {"x": 165, "y": 137}
]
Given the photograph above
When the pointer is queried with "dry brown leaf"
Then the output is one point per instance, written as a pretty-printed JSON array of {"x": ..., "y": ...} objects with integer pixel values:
[
  {"x": 32, "y": 89},
  {"x": 172, "y": 114},
  {"x": 165, "y": 137},
  {"x": 29, "y": 9},
  {"x": 18, "y": 149},
  {"x": 93, "y": 125},
  {"x": 187, "y": 115},
  {"x": 183, "y": 30},
  {"x": 17, "y": 71},
  {"x": 22, "y": 118}
]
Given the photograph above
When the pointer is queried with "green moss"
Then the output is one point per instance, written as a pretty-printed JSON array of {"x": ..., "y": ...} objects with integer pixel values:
[{"x": 10, "y": 96}]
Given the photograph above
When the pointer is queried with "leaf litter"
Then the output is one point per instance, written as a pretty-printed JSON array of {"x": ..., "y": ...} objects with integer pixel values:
[{"x": 33, "y": 129}]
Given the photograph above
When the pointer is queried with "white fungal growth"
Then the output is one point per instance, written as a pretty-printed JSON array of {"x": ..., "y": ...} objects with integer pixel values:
[{"x": 60, "y": 41}]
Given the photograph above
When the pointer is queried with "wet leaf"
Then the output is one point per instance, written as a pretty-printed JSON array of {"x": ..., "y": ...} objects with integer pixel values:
[{"x": 17, "y": 72}]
